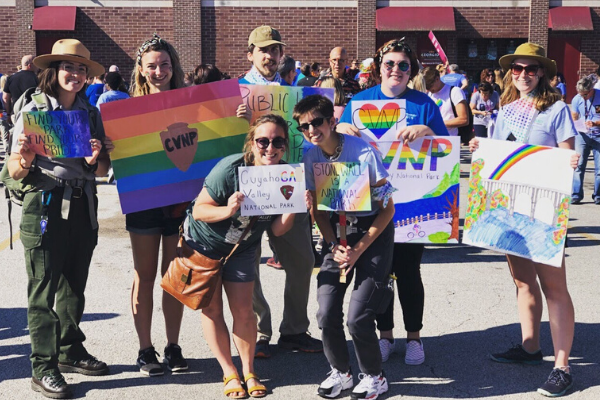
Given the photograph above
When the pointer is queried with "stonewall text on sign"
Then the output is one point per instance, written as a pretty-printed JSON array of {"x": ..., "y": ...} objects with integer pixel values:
[
  {"x": 342, "y": 186},
  {"x": 58, "y": 134},
  {"x": 272, "y": 189}
]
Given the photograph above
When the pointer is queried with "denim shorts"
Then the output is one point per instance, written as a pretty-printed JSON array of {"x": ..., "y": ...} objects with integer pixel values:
[{"x": 156, "y": 221}]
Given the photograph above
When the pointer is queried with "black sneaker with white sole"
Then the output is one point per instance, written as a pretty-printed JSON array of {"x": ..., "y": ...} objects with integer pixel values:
[
  {"x": 173, "y": 358},
  {"x": 148, "y": 362},
  {"x": 558, "y": 384}
]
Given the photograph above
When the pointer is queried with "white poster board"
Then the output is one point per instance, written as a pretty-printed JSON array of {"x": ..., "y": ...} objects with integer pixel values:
[
  {"x": 519, "y": 198},
  {"x": 272, "y": 189}
]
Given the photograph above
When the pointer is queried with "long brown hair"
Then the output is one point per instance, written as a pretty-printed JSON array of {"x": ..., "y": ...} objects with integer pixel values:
[
  {"x": 272, "y": 118},
  {"x": 48, "y": 80},
  {"x": 139, "y": 84},
  {"x": 545, "y": 95}
]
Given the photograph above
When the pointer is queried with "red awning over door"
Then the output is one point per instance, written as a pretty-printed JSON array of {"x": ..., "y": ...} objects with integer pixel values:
[
  {"x": 415, "y": 19},
  {"x": 54, "y": 18},
  {"x": 570, "y": 19}
]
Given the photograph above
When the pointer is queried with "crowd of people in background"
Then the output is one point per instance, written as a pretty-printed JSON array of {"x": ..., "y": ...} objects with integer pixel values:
[{"x": 440, "y": 100}]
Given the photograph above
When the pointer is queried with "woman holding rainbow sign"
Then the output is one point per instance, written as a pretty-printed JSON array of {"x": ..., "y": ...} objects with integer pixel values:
[
  {"x": 395, "y": 65},
  {"x": 537, "y": 116},
  {"x": 368, "y": 254}
]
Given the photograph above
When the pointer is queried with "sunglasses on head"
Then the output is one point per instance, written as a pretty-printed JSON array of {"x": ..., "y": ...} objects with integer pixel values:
[
  {"x": 530, "y": 70},
  {"x": 402, "y": 65},
  {"x": 317, "y": 122},
  {"x": 263, "y": 143}
]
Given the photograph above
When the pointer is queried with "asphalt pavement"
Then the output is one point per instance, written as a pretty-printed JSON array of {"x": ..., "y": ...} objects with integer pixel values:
[{"x": 470, "y": 311}]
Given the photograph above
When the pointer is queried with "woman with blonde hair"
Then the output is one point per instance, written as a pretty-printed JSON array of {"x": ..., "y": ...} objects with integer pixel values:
[
  {"x": 528, "y": 81},
  {"x": 339, "y": 98}
]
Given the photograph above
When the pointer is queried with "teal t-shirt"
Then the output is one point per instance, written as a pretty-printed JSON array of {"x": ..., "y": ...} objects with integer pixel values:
[{"x": 221, "y": 236}]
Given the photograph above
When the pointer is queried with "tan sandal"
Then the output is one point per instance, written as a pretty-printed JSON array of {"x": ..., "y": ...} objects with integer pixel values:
[
  {"x": 239, "y": 389},
  {"x": 256, "y": 388}
]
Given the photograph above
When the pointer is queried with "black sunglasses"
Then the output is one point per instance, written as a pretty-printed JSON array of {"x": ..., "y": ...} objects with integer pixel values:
[
  {"x": 530, "y": 70},
  {"x": 317, "y": 122},
  {"x": 263, "y": 143},
  {"x": 402, "y": 65}
]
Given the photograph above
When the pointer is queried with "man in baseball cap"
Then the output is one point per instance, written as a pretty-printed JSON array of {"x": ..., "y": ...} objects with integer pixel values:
[{"x": 265, "y": 49}]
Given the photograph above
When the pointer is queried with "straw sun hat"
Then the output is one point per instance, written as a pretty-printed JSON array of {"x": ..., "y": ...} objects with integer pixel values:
[
  {"x": 70, "y": 50},
  {"x": 531, "y": 51}
]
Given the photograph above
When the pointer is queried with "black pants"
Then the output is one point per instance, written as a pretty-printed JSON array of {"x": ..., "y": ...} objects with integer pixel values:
[
  {"x": 480, "y": 131},
  {"x": 407, "y": 267},
  {"x": 370, "y": 295}
]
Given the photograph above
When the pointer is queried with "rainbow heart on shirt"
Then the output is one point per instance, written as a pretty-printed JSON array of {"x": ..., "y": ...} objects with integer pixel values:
[{"x": 380, "y": 121}]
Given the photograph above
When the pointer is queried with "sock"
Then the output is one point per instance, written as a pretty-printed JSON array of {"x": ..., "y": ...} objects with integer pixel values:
[{"x": 566, "y": 369}]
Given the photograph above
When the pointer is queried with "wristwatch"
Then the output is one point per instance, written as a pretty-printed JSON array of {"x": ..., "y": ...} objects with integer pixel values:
[{"x": 332, "y": 246}]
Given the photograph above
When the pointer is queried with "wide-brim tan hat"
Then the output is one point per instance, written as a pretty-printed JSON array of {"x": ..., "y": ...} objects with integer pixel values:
[
  {"x": 69, "y": 50},
  {"x": 531, "y": 51}
]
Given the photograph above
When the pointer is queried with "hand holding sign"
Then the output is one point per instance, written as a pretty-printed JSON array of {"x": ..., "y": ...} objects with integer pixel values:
[{"x": 58, "y": 134}]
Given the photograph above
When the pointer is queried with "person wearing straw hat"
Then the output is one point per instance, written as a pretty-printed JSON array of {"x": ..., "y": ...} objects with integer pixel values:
[
  {"x": 59, "y": 228},
  {"x": 548, "y": 122}
]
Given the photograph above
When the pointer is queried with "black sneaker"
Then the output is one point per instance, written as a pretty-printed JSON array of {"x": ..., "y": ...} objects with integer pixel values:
[
  {"x": 52, "y": 386},
  {"x": 300, "y": 342},
  {"x": 263, "y": 349},
  {"x": 148, "y": 362},
  {"x": 518, "y": 354},
  {"x": 173, "y": 358},
  {"x": 88, "y": 366},
  {"x": 559, "y": 382}
]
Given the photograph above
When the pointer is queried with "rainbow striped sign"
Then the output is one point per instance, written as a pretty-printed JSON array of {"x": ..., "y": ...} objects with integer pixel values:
[
  {"x": 342, "y": 186},
  {"x": 58, "y": 134},
  {"x": 167, "y": 143}
]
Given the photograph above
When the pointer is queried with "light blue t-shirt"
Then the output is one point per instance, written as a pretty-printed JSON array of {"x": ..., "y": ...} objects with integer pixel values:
[
  {"x": 420, "y": 109},
  {"x": 355, "y": 150},
  {"x": 550, "y": 127},
  {"x": 111, "y": 95},
  {"x": 563, "y": 88},
  {"x": 580, "y": 106}
]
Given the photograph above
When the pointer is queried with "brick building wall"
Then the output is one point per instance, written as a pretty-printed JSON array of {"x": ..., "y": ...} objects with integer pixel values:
[
  {"x": 538, "y": 22},
  {"x": 590, "y": 49},
  {"x": 10, "y": 54},
  {"x": 187, "y": 32},
  {"x": 309, "y": 33},
  {"x": 366, "y": 33},
  {"x": 26, "y": 37}
]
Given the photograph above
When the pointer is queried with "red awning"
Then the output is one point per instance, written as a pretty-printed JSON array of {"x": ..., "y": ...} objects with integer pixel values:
[
  {"x": 415, "y": 19},
  {"x": 54, "y": 18},
  {"x": 570, "y": 19}
]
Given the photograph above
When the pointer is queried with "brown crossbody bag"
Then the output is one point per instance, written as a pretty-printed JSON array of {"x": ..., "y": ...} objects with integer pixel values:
[{"x": 192, "y": 277}]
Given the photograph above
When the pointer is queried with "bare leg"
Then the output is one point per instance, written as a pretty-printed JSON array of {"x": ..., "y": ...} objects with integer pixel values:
[
  {"x": 560, "y": 310},
  {"x": 217, "y": 336},
  {"x": 172, "y": 308},
  {"x": 413, "y": 335},
  {"x": 529, "y": 300},
  {"x": 386, "y": 335},
  {"x": 145, "y": 261},
  {"x": 239, "y": 295}
]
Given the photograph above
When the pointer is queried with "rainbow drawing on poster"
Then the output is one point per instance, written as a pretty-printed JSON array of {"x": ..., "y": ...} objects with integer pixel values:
[
  {"x": 58, "y": 134},
  {"x": 167, "y": 143},
  {"x": 342, "y": 186},
  {"x": 514, "y": 158},
  {"x": 522, "y": 207},
  {"x": 280, "y": 100},
  {"x": 519, "y": 116},
  {"x": 379, "y": 120}
]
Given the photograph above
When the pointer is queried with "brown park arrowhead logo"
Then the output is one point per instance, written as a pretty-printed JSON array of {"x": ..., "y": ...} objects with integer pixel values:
[
  {"x": 180, "y": 143},
  {"x": 287, "y": 191}
]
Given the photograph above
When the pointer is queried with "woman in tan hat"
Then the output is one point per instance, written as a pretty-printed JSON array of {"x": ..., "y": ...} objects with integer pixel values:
[
  {"x": 59, "y": 228},
  {"x": 528, "y": 81}
]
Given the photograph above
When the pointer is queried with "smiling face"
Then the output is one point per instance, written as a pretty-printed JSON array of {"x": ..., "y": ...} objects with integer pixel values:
[
  {"x": 157, "y": 69},
  {"x": 266, "y": 60},
  {"x": 394, "y": 78},
  {"x": 319, "y": 135},
  {"x": 71, "y": 76},
  {"x": 526, "y": 82},
  {"x": 272, "y": 136}
]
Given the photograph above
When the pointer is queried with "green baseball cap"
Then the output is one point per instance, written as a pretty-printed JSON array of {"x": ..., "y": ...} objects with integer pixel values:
[{"x": 264, "y": 36}]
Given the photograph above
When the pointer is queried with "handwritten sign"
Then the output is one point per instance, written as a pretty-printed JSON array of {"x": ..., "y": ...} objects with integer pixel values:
[
  {"x": 58, "y": 134},
  {"x": 280, "y": 100},
  {"x": 379, "y": 120},
  {"x": 342, "y": 186},
  {"x": 167, "y": 143},
  {"x": 272, "y": 189}
]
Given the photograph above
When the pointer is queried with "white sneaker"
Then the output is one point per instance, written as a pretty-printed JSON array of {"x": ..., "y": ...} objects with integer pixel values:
[
  {"x": 369, "y": 387},
  {"x": 335, "y": 383},
  {"x": 415, "y": 355},
  {"x": 386, "y": 348}
]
